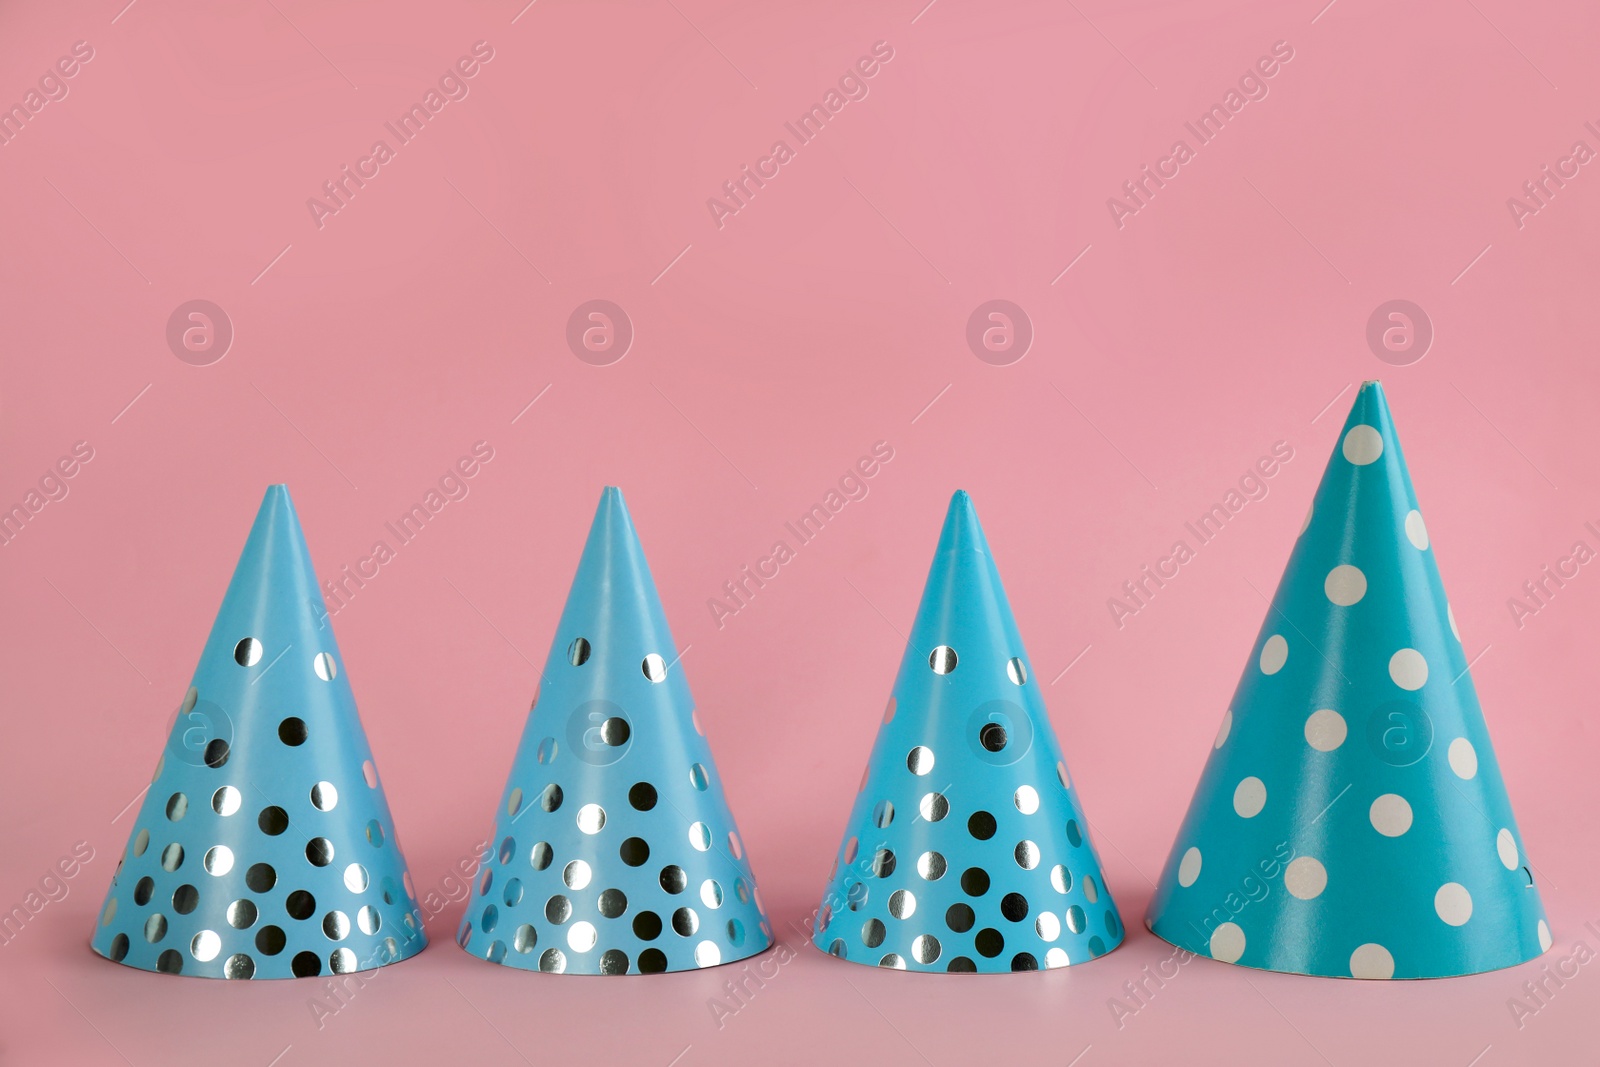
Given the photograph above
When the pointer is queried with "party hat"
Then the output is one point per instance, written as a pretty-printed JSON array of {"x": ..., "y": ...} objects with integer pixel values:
[
  {"x": 264, "y": 846},
  {"x": 1351, "y": 820},
  {"x": 615, "y": 851},
  {"x": 966, "y": 849}
]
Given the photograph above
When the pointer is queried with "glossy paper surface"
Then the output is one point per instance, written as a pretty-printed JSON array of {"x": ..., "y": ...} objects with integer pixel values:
[
  {"x": 615, "y": 852},
  {"x": 966, "y": 849},
  {"x": 264, "y": 847},
  {"x": 1351, "y": 820}
]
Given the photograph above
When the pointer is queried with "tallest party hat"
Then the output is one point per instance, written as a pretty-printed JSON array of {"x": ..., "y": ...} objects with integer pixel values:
[
  {"x": 264, "y": 847},
  {"x": 614, "y": 850},
  {"x": 966, "y": 850},
  {"x": 1351, "y": 820}
]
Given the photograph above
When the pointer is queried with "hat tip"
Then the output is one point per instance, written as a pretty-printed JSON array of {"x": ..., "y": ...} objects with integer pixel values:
[
  {"x": 1372, "y": 400},
  {"x": 961, "y": 525},
  {"x": 276, "y": 499},
  {"x": 962, "y": 509}
]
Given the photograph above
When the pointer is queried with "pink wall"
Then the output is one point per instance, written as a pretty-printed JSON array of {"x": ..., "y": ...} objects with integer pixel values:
[{"x": 770, "y": 348}]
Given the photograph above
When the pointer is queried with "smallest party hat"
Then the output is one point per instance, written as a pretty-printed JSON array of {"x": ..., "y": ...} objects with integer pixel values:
[
  {"x": 966, "y": 849},
  {"x": 615, "y": 852},
  {"x": 1352, "y": 820},
  {"x": 264, "y": 847}
]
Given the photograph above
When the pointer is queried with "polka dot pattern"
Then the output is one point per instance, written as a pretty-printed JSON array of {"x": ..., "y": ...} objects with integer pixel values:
[
  {"x": 1371, "y": 961},
  {"x": 1505, "y": 847},
  {"x": 1408, "y": 669},
  {"x": 1249, "y": 797},
  {"x": 1274, "y": 654},
  {"x": 1351, "y": 786},
  {"x": 1390, "y": 815},
  {"x": 1227, "y": 943},
  {"x": 621, "y": 858},
  {"x": 1416, "y": 531},
  {"x": 1224, "y": 729},
  {"x": 1362, "y": 445},
  {"x": 1345, "y": 585},
  {"x": 994, "y": 869},
  {"x": 1189, "y": 867},
  {"x": 1453, "y": 903},
  {"x": 264, "y": 847},
  {"x": 1463, "y": 758},
  {"x": 1325, "y": 730},
  {"x": 1305, "y": 877}
]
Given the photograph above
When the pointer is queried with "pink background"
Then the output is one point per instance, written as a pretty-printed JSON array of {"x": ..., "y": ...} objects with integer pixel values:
[{"x": 370, "y": 353}]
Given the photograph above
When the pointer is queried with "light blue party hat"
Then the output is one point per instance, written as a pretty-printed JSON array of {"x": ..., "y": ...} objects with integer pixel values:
[
  {"x": 1352, "y": 820},
  {"x": 615, "y": 851},
  {"x": 264, "y": 847},
  {"x": 966, "y": 849}
]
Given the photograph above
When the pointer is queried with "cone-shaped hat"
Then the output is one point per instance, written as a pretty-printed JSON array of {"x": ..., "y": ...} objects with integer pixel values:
[
  {"x": 615, "y": 852},
  {"x": 264, "y": 847},
  {"x": 1351, "y": 820},
  {"x": 966, "y": 849}
]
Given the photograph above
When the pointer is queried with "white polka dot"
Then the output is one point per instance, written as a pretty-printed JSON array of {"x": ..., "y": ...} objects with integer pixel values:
[
  {"x": 1506, "y": 845},
  {"x": 1249, "y": 797},
  {"x": 1362, "y": 445},
  {"x": 1227, "y": 943},
  {"x": 1345, "y": 585},
  {"x": 1450, "y": 613},
  {"x": 1305, "y": 877},
  {"x": 1371, "y": 961},
  {"x": 1189, "y": 867},
  {"x": 1453, "y": 903},
  {"x": 1416, "y": 530},
  {"x": 1390, "y": 815},
  {"x": 1463, "y": 758},
  {"x": 1325, "y": 730},
  {"x": 1408, "y": 669},
  {"x": 1310, "y": 509},
  {"x": 1274, "y": 654},
  {"x": 1544, "y": 936},
  {"x": 1222, "y": 731}
]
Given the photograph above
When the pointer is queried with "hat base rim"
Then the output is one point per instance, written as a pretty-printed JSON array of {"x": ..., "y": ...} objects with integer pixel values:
[
  {"x": 417, "y": 944},
  {"x": 982, "y": 965},
  {"x": 532, "y": 964},
  {"x": 1345, "y": 977}
]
